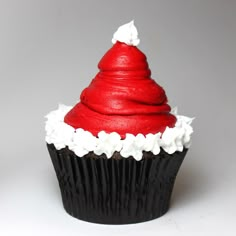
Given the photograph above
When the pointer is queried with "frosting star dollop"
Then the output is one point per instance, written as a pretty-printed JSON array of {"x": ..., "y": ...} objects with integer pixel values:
[
  {"x": 126, "y": 33},
  {"x": 122, "y": 97}
]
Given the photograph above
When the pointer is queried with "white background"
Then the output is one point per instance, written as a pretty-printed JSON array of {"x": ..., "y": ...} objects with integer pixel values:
[{"x": 49, "y": 51}]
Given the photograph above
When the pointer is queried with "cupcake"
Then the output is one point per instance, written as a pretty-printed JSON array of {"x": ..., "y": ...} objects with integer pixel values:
[{"x": 117, "y": 152}]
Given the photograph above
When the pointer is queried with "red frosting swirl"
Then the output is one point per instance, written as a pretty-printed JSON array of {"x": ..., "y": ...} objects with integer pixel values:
[{"x": 122, "y": 97}]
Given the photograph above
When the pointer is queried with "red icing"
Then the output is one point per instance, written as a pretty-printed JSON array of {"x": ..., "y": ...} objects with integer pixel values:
[{"x": 122, "y": 97}]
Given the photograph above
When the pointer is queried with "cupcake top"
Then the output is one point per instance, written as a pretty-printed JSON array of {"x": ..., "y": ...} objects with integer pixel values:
[{"x": 123, "y": 109}]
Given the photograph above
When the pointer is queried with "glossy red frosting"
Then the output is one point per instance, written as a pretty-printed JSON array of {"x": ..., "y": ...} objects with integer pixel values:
[{"x": 122, "y": 97}]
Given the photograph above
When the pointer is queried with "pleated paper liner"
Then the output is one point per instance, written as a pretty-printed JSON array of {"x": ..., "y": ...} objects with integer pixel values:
[{"x": 116, "y": 190}]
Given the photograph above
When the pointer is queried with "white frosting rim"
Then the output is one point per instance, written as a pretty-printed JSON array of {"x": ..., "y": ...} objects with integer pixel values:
[{"x": 81, "y": 142}]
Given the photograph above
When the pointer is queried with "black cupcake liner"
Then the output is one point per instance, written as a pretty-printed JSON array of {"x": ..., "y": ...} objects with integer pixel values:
[{"x": 116, "y": 190}]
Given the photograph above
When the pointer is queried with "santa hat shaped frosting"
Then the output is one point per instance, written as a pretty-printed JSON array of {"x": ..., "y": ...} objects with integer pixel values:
[{"x": 122, "y": 97}]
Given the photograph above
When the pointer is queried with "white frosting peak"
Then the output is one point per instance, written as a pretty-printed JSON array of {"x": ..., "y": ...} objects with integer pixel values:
[
  {"x": 82, "y": 142},
  {"x": 127, "y": 33}
]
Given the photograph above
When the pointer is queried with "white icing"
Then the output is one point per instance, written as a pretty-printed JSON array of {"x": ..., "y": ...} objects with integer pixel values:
[
  {"x": 58, "y": 132},
  {"x": 82, "y": 142},
  {"x": 108, "y": 143},
  {"x": 127, "y": 33}
]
